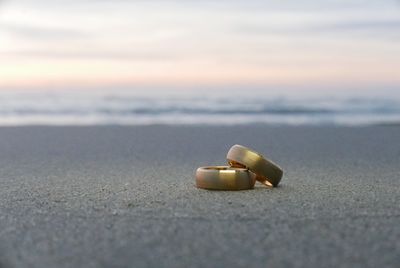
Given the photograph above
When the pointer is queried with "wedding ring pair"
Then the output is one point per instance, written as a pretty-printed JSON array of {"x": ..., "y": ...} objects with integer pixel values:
[{"x": 245, "y": 167}]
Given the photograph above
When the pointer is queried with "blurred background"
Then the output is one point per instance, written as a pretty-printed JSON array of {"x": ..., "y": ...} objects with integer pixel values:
[{"x": 334, "y": 62}]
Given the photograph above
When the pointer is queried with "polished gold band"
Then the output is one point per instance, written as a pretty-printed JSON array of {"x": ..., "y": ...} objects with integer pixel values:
[
  {"x": 267, "y": 171},
  {"x": 224, "y": 178}
]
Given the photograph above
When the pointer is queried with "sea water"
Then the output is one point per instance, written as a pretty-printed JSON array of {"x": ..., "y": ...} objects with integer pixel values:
[{"x": 208, "y": 107}]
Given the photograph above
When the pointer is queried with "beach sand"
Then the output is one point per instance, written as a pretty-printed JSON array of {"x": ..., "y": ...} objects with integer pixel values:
[{"x": 125, "y": 197}]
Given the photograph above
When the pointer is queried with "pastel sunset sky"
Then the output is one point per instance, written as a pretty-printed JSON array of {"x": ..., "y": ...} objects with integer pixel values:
[{"x": 100, "y": 42}]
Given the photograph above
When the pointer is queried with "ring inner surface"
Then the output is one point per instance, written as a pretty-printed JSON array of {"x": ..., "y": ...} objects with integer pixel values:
[
  {"x": 217, "y": 168},
  {"x": 236, "y": 164}
]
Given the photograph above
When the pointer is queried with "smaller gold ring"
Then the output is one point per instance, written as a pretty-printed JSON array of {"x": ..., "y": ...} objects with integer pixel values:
[
  {"x": 224, "y": 178},
  {"x": 267, "y": 171}
]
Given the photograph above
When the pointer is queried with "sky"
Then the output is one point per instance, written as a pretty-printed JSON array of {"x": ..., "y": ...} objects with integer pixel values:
[{"x": 93, "y": 43}]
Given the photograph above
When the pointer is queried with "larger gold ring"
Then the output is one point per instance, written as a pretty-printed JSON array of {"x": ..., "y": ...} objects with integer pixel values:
[
  {"x": 267, "y": 171},
  {"x": 224, "y": 178}
]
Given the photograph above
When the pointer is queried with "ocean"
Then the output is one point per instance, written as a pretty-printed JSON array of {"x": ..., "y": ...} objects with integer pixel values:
[{"x": 219, "y": 107}]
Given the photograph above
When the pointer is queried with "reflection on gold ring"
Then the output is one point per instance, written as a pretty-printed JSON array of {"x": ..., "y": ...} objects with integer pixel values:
[
  {"x": 267, "y": 171},
  {"x": 224, "y": 178}
]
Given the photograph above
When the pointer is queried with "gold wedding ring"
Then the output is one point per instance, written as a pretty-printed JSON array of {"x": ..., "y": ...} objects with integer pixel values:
[
  {"x": 267, "y": 171},
  {"x": 224, "y": 178}
]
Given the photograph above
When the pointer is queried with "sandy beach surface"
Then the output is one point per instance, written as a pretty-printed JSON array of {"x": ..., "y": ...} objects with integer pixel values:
[{"x": 125, "y": 197}]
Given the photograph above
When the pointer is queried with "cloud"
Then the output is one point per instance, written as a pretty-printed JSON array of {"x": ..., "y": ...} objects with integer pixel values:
[
  {"x": 42, "y": 32},
  {"x": 361, "y": 25},
  {"x": 373, "y": 26},
  {"x": 91, "y": 55}
]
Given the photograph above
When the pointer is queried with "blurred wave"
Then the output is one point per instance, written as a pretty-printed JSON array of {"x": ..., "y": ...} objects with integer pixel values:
[{"x": 129, "y": 109}]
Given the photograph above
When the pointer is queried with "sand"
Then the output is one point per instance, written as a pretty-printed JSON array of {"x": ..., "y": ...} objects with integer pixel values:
[{"x": 125, "y": 197}]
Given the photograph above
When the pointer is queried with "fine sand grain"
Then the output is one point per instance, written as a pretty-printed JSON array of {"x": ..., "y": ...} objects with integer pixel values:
[{"x": 125, "y": 197}]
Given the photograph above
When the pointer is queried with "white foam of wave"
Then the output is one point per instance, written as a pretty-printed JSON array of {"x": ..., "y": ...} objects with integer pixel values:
[{"x": 127, "y": 108}]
